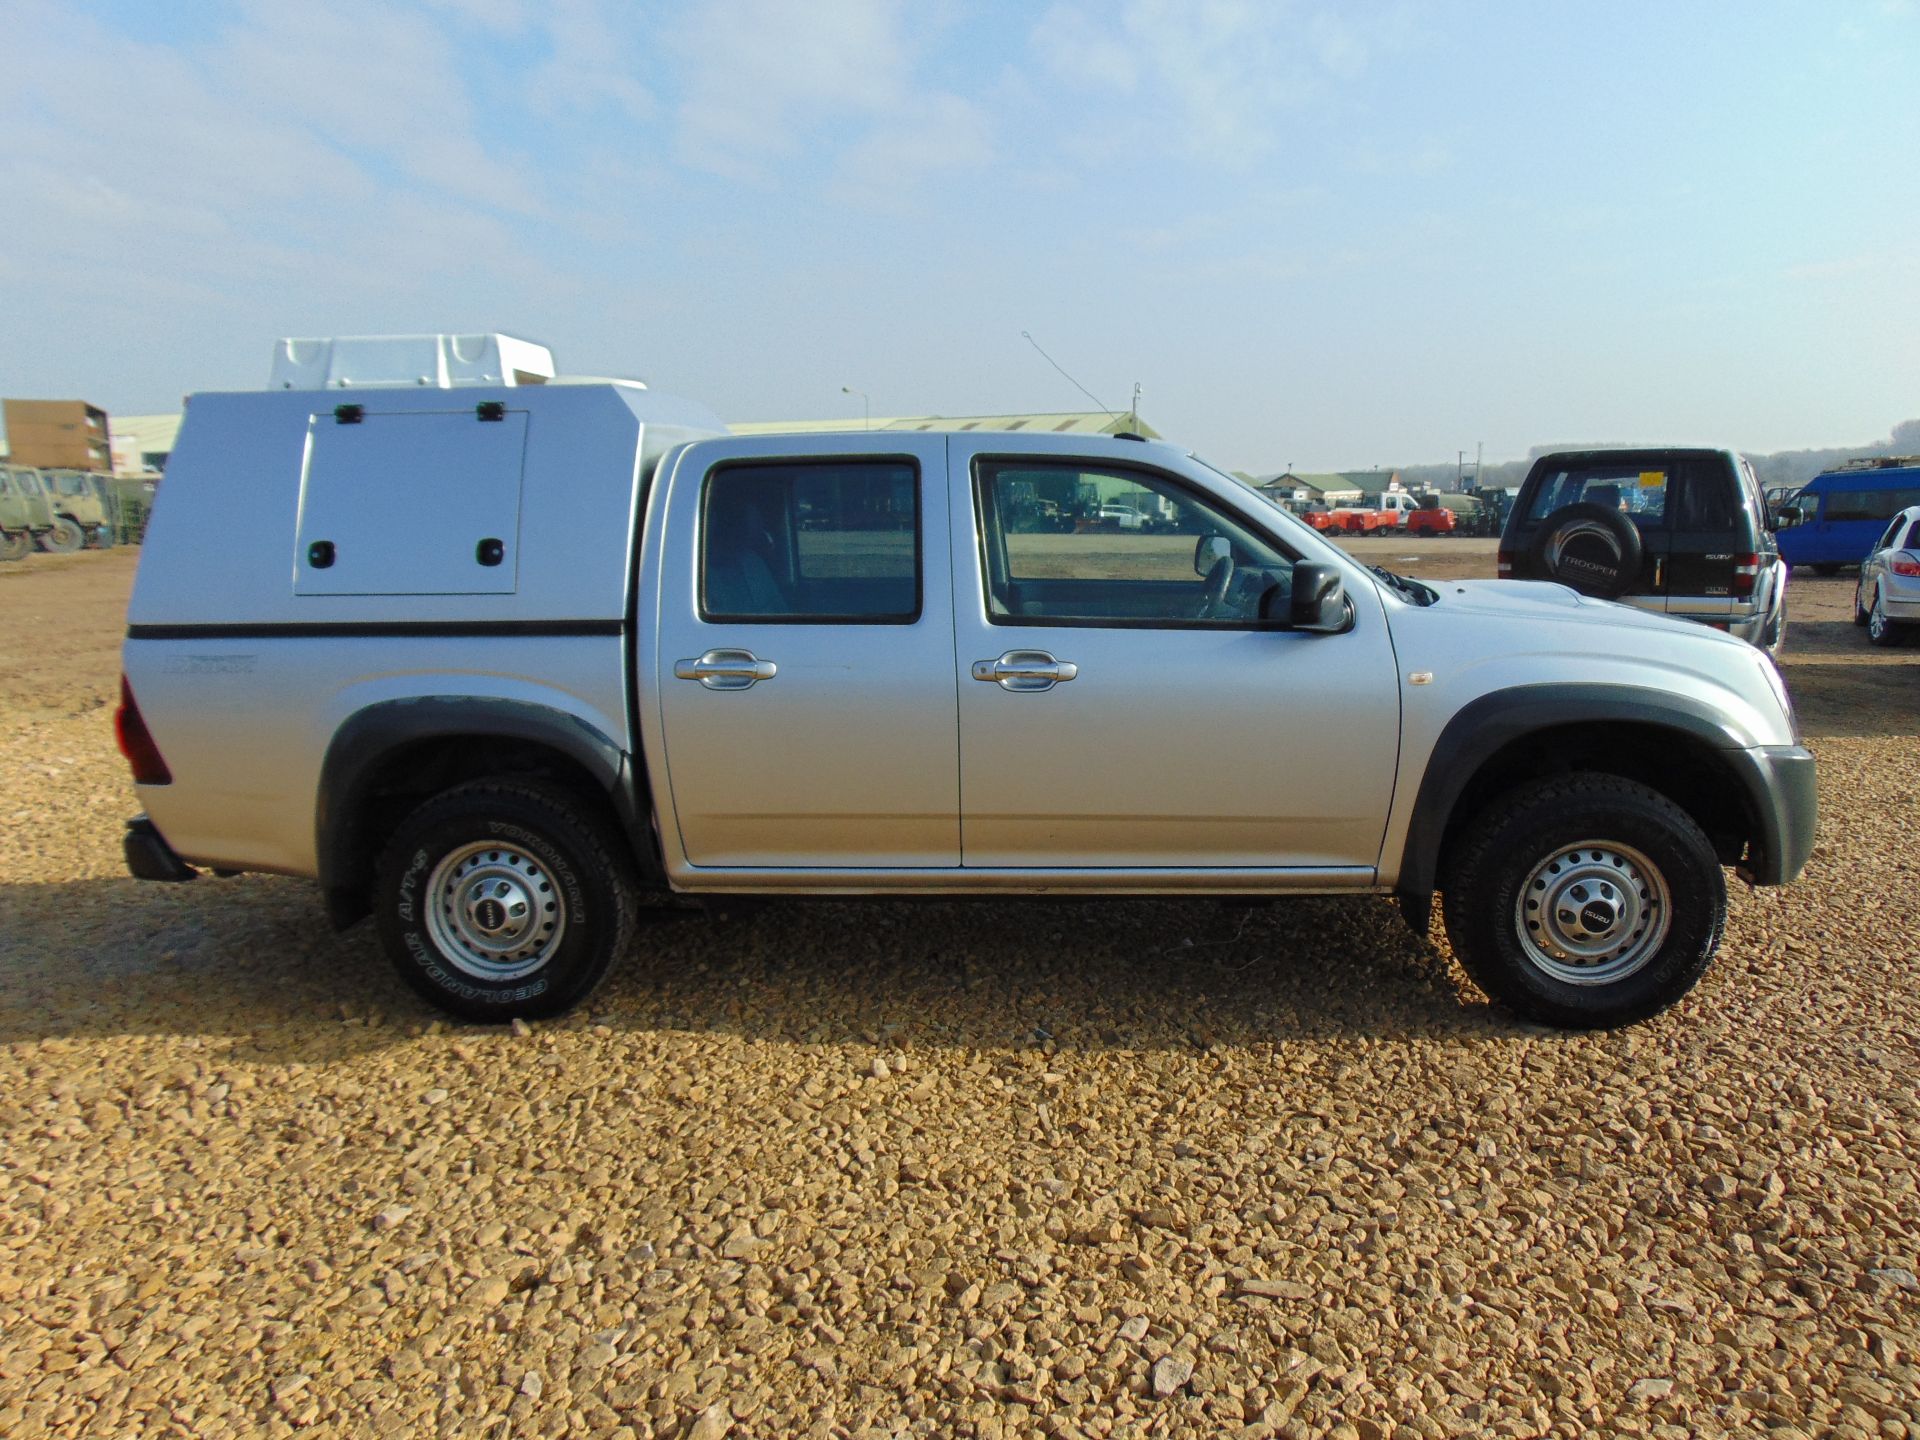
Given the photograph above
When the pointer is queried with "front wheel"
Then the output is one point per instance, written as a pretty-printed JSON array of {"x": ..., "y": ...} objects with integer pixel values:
[
  {"x": 65, "y": 537},
  {"x": 1859, "y": 607},
  {"x": 15, "y": 544},
  {"x": 1584, "y": 901},
  {"x": 504, "y": 898}
]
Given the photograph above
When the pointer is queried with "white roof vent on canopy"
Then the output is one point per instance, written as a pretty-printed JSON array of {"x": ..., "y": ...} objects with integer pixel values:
[{"x": 441, "y": 362}]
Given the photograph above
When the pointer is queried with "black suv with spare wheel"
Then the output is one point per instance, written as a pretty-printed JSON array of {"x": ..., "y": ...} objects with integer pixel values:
[{"x": 1679, "y": 532}]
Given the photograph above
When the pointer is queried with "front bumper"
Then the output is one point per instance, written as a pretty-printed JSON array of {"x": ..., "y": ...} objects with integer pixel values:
[
  {"x": 1783, "y": 793},
  {"x": 150, "y": 857}
]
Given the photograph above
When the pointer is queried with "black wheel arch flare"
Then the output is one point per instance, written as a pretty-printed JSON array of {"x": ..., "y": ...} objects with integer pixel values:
[
  {"x": 370, "y": 737},
  {"x": 1485, "y": 727}
]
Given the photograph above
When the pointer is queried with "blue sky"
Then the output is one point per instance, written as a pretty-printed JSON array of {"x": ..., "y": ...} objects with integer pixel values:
[{"x": 1326, "y": 234}]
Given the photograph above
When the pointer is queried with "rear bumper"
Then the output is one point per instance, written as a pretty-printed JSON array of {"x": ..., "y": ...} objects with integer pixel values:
[
  {"x": 1901, "y": 597},
  {"x": 1784, "y": 794},
  {"x": 150, "y": 857}
]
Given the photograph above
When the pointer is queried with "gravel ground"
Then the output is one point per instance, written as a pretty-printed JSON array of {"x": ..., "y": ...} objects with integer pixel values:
[{"x": 1154, "y": 1169}]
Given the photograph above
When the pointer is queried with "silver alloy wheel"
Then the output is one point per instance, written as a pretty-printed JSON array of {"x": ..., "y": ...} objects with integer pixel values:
[
  {"x": 1592, "y": 913},
  {"x": 1877, "y": 622},
  {"x": 494, "y": 912}
]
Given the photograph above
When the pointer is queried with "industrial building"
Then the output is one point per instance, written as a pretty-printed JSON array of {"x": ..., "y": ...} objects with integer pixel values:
[
  {"x": 57, "y": 434},
  {"x": 142, "y": 443},
  {"x": 1327, "y": 487}
]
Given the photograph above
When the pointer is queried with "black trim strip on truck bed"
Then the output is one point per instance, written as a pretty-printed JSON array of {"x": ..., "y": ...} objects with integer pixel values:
[{"x": 375, "y": 629}]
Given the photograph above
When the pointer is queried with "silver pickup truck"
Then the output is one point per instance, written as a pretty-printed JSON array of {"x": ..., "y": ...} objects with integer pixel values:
[{"x": 496, "y": 663}]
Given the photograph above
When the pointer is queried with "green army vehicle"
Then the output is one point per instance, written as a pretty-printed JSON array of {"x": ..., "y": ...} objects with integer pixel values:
[
  {"x": 79, "y": 514},
  {"x": 26, "y": 511}
]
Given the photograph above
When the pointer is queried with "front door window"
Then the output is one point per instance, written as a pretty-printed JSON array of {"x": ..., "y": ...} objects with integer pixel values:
[{"x": 1067, "y": 544}]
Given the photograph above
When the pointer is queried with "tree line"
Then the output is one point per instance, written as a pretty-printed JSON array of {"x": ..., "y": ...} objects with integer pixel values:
[{"x": 1783, "y": 467}]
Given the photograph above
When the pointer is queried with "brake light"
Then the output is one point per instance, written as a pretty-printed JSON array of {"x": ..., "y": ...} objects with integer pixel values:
[
  {"x": 1746, "y": 568},
  {"x": 1904, "y": 565},
  {"x": 136, "y": 742},
  {"x": 1504, "y": 562}
]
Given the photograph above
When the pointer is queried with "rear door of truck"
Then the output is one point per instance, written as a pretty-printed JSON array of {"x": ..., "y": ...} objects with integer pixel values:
[{"x": 804, "y": 666}]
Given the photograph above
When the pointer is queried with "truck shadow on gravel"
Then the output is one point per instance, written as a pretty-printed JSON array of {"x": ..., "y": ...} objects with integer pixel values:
[{"x": 252, "y": 961}]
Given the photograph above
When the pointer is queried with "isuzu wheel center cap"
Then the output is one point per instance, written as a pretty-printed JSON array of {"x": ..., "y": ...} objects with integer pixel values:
[
  {"x": 1597, "y": 917},
  {"x": 497, "y": 907}
]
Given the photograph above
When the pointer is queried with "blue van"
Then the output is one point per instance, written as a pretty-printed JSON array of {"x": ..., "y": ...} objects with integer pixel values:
[{"x": 1843, "y": 511}]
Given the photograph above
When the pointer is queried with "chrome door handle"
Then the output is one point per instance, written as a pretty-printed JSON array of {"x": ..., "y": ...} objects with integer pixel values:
[
  {"x": 1025, "y": 670},
  {"x": 726, "y": 670}
]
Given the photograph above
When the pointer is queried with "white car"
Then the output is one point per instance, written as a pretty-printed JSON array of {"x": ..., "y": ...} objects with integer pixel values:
[{"x": 1887, "y": 599}]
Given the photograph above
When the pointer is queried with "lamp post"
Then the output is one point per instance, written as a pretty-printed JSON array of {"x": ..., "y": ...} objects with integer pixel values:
[{"x": 866, "y": 406}]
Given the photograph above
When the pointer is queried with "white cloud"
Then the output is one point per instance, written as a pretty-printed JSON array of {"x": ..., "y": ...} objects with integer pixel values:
[
  {"x": 763, "y": 81},
  {"x": 595, "y": 62},
  {"x": 921, "y": 137},
  {"x": 1213, "y": 78}
]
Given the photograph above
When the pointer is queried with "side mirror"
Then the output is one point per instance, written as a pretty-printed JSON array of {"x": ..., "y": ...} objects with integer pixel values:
[
  {"x": 1209, "y": 552},
  {"x": 1786, "y": 517},
  {"x": 1319, "y": 603}
]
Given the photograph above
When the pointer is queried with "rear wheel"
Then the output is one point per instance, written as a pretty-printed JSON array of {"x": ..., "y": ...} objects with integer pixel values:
[
  {"x": 14, "y": 544},
  {"x": 505, "y": 898},
  {"x": 1881, "y": 629},
  {"x": 1584, "y": 901},
  {"x": 65, "y": 537}
]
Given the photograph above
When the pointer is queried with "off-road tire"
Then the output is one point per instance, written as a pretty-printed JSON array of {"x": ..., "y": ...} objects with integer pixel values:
[
  {"x": 1600, "y": 577},
  {"x": 1773, "y": 639},
  {"x": 565, "y": 839},
  {"x": 64, "y": 538},
  {"x": 15, "y": 544},
  {"x": 1488, "y": 865}
]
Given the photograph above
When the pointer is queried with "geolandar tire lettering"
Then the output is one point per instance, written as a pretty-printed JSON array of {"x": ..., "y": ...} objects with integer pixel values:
[
  {"x": 504, "y": 898},
  {"x": 1584, "y": 901}
]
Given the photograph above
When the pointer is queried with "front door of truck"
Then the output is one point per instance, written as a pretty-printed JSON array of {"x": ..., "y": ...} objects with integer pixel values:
[
  {"x": 1122, "y": 706},
  {"x": 804, "y": 665}
]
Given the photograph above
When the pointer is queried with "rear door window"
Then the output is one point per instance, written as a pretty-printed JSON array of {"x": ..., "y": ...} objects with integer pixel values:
[
  {"x": 826, "y": 542},
  {"x": 1638, "y": 490}
]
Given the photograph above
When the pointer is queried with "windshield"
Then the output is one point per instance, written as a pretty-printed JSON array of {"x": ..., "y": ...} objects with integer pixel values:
[{"x": 70, "y": 484}]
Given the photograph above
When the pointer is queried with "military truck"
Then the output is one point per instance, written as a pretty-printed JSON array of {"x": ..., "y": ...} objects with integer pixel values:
[
  {"x": 26, "y": 512},
  {"x": 79, "y": 513}
]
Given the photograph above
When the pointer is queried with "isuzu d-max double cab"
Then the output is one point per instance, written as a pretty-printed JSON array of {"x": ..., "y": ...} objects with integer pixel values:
[{"x": 496, "y": 663}]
